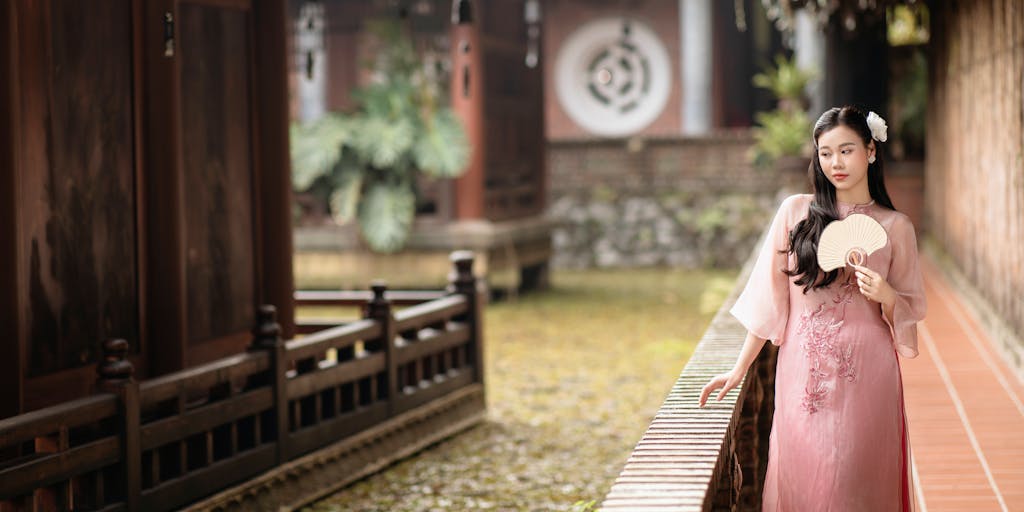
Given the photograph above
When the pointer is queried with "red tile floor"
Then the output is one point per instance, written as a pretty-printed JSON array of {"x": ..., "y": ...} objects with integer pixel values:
[{"x": 965, "y": 411}]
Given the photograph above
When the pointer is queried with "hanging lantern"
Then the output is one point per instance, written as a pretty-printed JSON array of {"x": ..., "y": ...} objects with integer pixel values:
[
  {"x": 531, "y": 15},
  {"x": 462, "y": 12}
]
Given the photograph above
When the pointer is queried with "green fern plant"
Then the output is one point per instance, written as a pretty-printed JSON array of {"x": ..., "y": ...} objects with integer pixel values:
[{"x": 367, "y": 161}]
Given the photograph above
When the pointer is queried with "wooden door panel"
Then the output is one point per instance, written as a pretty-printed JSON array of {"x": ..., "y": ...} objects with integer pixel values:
[
  {"x": 513, "y": 132},
  {"x": 77, "y": 184},
  {"x": 217, "y": 168}
]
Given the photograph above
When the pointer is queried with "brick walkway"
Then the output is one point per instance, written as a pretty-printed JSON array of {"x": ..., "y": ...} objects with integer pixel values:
[{"x": 964, "y": 407}]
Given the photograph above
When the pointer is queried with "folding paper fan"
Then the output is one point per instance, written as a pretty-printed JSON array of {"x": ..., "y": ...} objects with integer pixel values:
[{"x": 849, "y": 241}]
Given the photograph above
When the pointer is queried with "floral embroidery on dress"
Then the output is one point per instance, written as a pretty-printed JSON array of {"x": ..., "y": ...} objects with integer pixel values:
[{"x": 820, "y": 329}]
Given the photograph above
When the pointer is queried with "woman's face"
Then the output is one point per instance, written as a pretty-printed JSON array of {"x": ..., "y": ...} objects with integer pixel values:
[{"x": 844, "y": 158}]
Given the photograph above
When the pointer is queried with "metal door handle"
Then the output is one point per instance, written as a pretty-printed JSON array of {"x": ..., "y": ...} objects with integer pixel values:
[{"x": 168, "y": 34}]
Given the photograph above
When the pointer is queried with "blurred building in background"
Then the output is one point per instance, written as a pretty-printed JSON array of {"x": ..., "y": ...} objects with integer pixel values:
[
  {"x": 648, "y": 108},
  {"x": 487, "y": 56},
  {"x": 653, "y": 68}
]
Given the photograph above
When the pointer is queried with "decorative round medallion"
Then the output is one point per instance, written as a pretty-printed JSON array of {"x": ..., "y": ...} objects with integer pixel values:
[{"x": 613, "y": 76}]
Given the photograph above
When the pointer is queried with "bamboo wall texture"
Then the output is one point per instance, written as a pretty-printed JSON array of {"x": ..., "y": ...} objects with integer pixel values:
[{"x": 975, "y": 149}]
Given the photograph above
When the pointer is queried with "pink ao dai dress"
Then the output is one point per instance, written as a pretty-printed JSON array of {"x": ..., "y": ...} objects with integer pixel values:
[{"x": 839, "y": 434}]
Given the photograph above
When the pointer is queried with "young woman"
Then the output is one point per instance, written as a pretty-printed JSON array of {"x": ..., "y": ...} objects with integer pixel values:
[{"x": 839, "y": 435}]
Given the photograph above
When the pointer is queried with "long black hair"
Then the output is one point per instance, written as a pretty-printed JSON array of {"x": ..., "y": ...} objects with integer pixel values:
[{"x": 803, "y": 239}]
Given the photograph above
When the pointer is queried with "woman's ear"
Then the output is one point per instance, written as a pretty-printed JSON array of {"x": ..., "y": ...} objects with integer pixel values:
[{"x": 871, "y": 149}]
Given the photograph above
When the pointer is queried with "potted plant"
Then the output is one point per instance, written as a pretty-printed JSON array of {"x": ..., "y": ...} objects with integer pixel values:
[
  {"x": 366, "y": 163},
  {"x": 782, "y": 135}
]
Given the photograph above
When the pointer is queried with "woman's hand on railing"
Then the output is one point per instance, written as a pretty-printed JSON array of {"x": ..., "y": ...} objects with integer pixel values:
[
  {"x": 751, "y": 347},
  {"x": 726, "y": 381}
]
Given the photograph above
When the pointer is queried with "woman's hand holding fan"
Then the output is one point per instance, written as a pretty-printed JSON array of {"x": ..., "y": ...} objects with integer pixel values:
[{"x": 849, "y": 242}]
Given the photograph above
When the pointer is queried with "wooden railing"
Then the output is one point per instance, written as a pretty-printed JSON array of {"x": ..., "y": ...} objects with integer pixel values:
[
  {"x": 351, "y": 299},
  {"x": 710, "y": 458},
  {"x": 162, "y": 443}
]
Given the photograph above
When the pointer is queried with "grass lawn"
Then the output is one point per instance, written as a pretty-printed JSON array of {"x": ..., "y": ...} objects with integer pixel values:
[{"x": 574, "y": 376}]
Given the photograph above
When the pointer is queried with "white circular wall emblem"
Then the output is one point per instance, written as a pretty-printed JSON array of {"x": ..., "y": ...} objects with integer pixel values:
[{"x": 613, "y": 76}]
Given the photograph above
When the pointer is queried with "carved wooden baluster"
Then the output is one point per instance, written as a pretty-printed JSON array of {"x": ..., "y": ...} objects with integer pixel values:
[
  {"x": 346, "y": 396},
  {"x": 180, "y": 407},
  {"x": 116, "y": 376},
  {"x": 307, "y": 410},
  {"x": 462, "y": 281},
  {"x": 436, "y": 362},
  {"x": 267, "y": 336},
  {"x": 411, "y": 372},
  {"x": 222, "y": 439},
  {"x": 379, "y": 309}
]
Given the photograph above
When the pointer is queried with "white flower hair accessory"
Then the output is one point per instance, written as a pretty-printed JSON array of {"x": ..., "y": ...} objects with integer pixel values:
[{"x": 877, "y": 126}]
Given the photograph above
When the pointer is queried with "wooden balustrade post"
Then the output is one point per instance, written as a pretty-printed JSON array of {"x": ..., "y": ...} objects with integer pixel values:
[
  {"x": 462, "y": 281},
  {"x": 116, "y": 376},
  {"x": 378, "y": 308},
  {"x": 267, "y": 336}
]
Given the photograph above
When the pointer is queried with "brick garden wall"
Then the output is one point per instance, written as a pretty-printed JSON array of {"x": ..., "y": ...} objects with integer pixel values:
[
  {"x": 561, "y": 18},
  {"x": 686, "y": 202},
  {"x": 975, "y": 158}
]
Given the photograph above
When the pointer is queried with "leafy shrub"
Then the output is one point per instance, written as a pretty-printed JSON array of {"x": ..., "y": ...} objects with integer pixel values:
[{"x": 367, "y": 162}]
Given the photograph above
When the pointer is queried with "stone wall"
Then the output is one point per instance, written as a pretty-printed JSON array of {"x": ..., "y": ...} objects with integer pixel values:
[{"x": 690, "y": 202}]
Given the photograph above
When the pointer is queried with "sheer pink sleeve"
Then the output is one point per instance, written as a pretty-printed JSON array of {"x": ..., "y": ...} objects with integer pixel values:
[
  {"x": 905, "y": 277},
  {"x": 763, "y": 306}
]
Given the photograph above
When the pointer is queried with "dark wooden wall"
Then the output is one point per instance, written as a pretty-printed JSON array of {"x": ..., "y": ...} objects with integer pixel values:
[{"x": 145, "y": 193}]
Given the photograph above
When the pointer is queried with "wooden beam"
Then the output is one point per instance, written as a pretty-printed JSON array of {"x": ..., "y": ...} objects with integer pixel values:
[
  {"x": 10, "y": 332},
  {"x": 164, "y": 228},
  {"x": 142, "y": 347},
  {"x": 270, "y": 87}
]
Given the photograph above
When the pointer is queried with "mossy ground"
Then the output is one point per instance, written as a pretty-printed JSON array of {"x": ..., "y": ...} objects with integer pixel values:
[{"x": 574, "y": 376}]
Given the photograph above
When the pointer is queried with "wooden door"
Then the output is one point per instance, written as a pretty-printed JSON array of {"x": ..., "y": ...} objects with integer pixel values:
[
  {"x": 77, "y": 267},
  {"x": 204, "y": 121},
  {"x": 130, "y": 186}
]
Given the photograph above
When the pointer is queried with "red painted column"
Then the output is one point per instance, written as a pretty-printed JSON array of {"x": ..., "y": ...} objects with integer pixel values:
[{"x": 467, "y": 86}]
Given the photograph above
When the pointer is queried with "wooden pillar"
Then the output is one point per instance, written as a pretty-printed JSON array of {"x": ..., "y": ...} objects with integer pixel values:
[
  {"x": 10, "y": 336},
  {"x": 857, "y": 68},
  {"x": 266, "y": 335},
  {"x": 270, "y": 87},
  {"x": 462, "y": 281},
  {"x": 165, "y": 289},
  {"x": 116, "y": 376},
  {"x": 379, "y": 308},
  {"x": 467, "y": 86}
]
